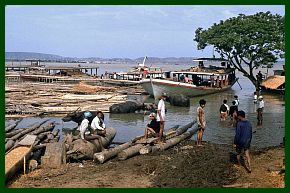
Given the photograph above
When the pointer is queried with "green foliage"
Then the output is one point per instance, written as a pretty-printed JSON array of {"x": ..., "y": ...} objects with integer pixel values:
[{"x": 255, "y": 40}]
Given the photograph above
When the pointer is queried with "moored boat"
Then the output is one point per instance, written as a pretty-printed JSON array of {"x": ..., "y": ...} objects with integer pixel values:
[{"x": 195, "y": 81}]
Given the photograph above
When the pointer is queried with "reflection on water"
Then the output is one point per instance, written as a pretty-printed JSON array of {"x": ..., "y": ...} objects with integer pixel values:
[{"x": 271, "y": 133}]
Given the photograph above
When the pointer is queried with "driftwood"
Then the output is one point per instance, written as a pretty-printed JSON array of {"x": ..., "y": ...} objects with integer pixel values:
[{"x": 43, "y": 128}]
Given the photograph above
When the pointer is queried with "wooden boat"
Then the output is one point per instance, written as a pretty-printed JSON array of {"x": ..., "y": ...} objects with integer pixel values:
[
  {"x": 196, "y": 81},
  {"x": 17, "y": 157},
  {"x": 274, "y": 84}
]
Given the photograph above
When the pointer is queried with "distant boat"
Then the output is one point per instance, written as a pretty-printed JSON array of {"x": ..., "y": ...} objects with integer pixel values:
[
  {"x": 134, "y": 75},
  {"x": 196, "y": 81}
]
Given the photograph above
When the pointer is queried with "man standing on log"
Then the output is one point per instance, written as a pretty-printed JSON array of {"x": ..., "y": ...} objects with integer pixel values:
[
  {"x": 243, "y": 139},
  {"x": 200, "y": 121},
  {"x": 161, "y": 116}
]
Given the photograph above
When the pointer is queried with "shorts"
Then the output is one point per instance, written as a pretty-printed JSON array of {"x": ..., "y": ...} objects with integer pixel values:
[
  {"x": 241, "y": 150},
  {"x": 99, "y": 132}
]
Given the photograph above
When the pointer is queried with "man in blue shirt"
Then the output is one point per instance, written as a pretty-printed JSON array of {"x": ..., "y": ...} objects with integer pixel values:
[{"x": 243, "y": 139}]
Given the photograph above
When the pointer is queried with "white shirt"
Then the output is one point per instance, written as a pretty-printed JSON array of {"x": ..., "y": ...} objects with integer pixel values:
[
  {"x": 96, "y": 124},
  {"x": 161, "y": 108},
  {"x": 83, "y": 127},
  {"x": 255, "y": 98},
  {"x": 261, "y": 104}
]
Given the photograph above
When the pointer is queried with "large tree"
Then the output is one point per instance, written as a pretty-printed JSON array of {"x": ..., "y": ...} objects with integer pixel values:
[{"x": 246, "y": 41}]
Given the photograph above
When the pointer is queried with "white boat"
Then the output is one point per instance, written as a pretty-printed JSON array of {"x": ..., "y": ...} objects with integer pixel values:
[{"x": 196, "y": 81}]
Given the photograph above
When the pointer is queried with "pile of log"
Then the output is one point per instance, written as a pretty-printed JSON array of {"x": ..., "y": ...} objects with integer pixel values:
[
  {"x": 85, "y": 88},
  {"x": 43, "y": 130},
  {"x": 140, "y": 145}
]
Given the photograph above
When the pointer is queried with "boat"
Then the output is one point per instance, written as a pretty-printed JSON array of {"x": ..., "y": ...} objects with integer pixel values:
[
  {"x": 134, "y": 75},
  {"x": 196, "y": 81},
  {"x": 274, "y": 84},
  {"x": 17, "y": 157}
]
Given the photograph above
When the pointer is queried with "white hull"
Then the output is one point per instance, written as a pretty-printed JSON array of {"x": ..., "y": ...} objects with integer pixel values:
[
  {"x": 146, "y": 84},
  {"x": 172, "y": 88}
]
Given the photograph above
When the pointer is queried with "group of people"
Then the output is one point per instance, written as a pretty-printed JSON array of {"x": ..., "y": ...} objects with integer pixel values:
[
  {"x": 243, "y": 135},
  {"x": 231, "y": 111},
  {"x": 96, "y": 126}
]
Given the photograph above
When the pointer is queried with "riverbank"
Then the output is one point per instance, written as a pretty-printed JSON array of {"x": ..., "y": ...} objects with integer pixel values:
[{"x": 183, "y": 166}]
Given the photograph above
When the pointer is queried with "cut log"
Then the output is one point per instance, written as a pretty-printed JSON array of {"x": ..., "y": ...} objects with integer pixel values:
[
  {"x": 25, "y": 131},
  {"x": 103, "y": 156},
  {"x": 9, "y": 144},
  {"x": 129, "y": 152},
  {"x": 172, "y": 142},
  {"x": 184, "y": 128},
  {"x": 43, "y": 128},
  {"x": 12, "y": 133},
  {"x": 11, "y": 127},
  {"x": 55, "y": 155}
]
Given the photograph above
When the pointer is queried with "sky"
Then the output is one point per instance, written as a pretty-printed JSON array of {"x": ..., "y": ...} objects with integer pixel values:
[{"x": 116, "y": 31}]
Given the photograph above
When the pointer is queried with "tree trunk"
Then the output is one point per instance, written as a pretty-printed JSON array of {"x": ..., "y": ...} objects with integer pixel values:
[
  {"x": 101, "y": 157},
  {"x": 9, "y": 144},
  {"x": 11, "y": 127},
  {"x": 129, "y": 152},
  {"x": 35, "y": 126},
  {"x": 12, "y": 133}
]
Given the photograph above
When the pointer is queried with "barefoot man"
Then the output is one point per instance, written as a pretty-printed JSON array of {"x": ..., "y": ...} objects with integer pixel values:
[
  {"x": 200, "y": 121},
  {"x": 161, "y": 115}
]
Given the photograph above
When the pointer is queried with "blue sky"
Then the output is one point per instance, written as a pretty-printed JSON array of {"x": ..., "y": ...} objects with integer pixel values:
[{"x": 116, "y": 31}]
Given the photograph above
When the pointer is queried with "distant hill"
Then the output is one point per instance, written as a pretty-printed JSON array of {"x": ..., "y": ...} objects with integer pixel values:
[{"x": 20, "y": 56}]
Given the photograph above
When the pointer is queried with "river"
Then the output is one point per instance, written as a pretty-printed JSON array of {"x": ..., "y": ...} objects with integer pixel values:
[{"x": 130, "y": 125}]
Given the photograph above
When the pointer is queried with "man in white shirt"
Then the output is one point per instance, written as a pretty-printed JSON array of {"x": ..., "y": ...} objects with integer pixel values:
[
  {"x": 99, "y": 128},
  {"x": 161, "y": 116},
  {"x": 260, "y": 110},
  {"x": 84, "y": 125}
]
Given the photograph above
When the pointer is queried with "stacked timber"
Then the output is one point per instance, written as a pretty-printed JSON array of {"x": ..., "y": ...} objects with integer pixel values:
[
  {"x": 22, "y": 143},
  {"x": 140, "y": 145}
]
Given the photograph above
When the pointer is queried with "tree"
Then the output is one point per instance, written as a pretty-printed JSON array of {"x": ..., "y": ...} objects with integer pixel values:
[{"x": 254, "y": 40}]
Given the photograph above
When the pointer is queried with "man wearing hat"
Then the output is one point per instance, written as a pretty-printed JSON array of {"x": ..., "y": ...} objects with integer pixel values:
[
  {"x": 161, "y": 115},
  {"x": 153, "y": 126},
  {"x": 243, "y": 138},
  {"x": 260, "y": 110},
  {"x": 84, "y": 125}
]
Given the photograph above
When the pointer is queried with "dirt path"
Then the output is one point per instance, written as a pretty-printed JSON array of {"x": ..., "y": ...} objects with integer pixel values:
[{"x": 184, "y": 166}]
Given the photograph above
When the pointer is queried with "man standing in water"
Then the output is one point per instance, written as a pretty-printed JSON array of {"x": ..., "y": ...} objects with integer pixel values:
[
  {"x": 243, "y": 139},
  {"x": 200, "y": 121},
  {"x": 260, "y": 110},
  {"x": 161, "y": 116}
]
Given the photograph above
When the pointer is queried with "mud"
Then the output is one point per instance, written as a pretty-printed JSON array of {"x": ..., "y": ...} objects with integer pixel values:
[{"x": 184, "y": 166}]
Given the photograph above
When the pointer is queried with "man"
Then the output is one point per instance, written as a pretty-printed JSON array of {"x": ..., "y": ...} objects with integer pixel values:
[
  {"x": 161, "y": 116},
  {"x": 98, "y": 127},
  {"x": 84, "y": 125},
  {"x": 200, "y": 121},
  {"x": 260, "y": 110},
  {"x": 153, "y": 127},
  {"x": 224, "y": 110},
  {"x": 237, "y": 102},
  {"x": 243, "y": 139}
]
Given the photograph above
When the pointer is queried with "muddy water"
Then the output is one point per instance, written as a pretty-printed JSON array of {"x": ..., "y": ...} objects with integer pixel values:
[{"x": 270, "y": 134}]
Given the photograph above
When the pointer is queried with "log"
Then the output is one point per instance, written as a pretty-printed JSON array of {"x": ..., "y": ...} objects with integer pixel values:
[
  {"x": 11, "y": 127},
  {"x": 184, "y": 128},
  {"x": 12, "y": 133},
  {"x": 129, "y": 152},
  {"x": 175, "y": 140},
  {"x": 43, "y": 128},
  {"x": 103, "y": 156},
  {"x": 9, "y": 144},
  {"x": 26, "y": 131}
]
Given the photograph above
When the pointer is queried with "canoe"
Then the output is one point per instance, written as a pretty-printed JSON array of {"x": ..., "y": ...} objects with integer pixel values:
[{"x": 17, "y": 157}]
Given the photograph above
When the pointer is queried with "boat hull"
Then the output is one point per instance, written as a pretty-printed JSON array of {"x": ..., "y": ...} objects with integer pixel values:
[
  {"x": 146, "y": 84},
  {"x": 172, "y": 88}
]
